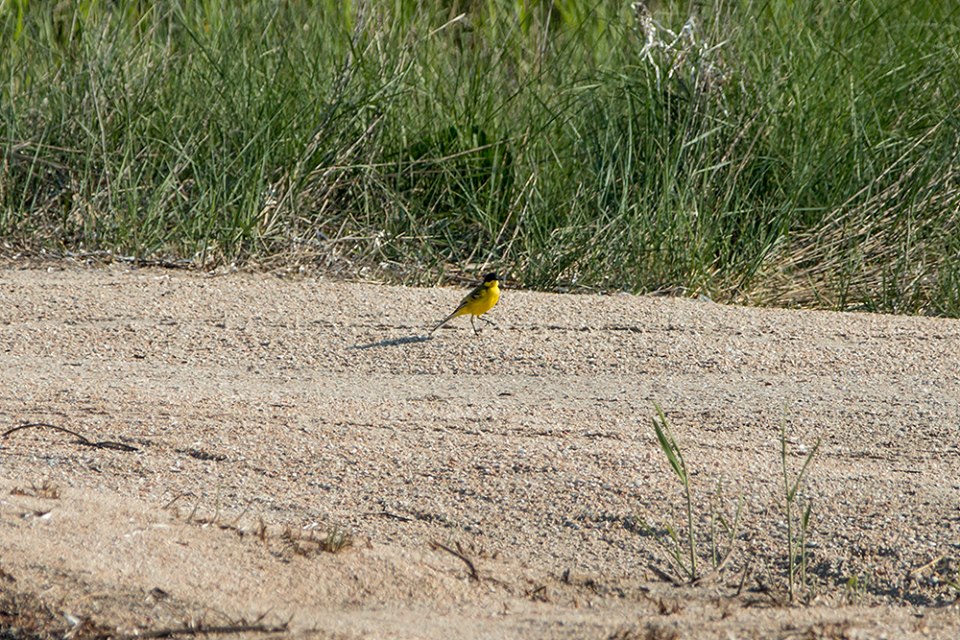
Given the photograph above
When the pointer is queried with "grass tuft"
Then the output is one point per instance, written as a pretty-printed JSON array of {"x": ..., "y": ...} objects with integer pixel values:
[
  {"x": 684, "y": 554},
  {"x": 798, "y": 524}
]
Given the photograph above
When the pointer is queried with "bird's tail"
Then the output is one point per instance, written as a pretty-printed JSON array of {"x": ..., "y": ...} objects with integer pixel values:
[{"x": 445, "y": 321}]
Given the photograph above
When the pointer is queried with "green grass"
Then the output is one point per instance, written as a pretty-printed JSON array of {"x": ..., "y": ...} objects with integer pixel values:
[
  {"x": 788, "y": 152},
  {"x": 798, "y": 523},
  {"x": 670, "y": 448},
  {"x": 722, "y": 531}
]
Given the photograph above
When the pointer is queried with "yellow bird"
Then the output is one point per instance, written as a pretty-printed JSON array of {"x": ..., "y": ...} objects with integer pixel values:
[{"x": 477, "y": 302}]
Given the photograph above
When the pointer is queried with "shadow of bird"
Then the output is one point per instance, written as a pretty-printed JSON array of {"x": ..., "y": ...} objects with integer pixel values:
[{"x": 394, "y": 342}]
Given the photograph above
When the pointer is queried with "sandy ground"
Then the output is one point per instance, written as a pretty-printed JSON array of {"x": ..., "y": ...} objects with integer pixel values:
[{"x": 502, "y": 486}]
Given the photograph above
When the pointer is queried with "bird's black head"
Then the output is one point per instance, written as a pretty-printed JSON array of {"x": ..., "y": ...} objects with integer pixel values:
[{"x": 490, "y": 277}]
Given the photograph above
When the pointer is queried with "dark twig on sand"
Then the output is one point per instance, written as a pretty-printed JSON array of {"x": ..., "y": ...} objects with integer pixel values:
[
  {"x": 459, "y": 554},
  {"x": 103, "y": 444},
  {"x": 389, "y": 514}
]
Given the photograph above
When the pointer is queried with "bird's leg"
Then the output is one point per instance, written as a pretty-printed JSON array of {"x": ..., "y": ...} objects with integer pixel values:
[
  {"x": 488, "y": 321},
  {"x": 472, "y": 324}
]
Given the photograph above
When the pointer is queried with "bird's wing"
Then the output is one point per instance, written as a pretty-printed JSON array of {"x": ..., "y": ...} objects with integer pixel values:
[
  {"x": 473, "y": 296},
  {"x": 476, "y": 294}
]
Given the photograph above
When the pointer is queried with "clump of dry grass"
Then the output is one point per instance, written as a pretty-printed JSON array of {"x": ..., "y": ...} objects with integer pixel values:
[
  {"x": 46, "y": 490},
  {"x": 285, "y": 541},
  {"x": 308, "y": 543},
  {"x": 24, "y": 616}
]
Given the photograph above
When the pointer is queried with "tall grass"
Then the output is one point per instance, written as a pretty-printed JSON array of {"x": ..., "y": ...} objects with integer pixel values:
[{"x": 778, "y": 152}]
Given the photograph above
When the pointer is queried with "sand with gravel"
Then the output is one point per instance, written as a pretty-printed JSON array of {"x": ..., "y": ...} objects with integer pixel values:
[{"x": 292, "y": 451}]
